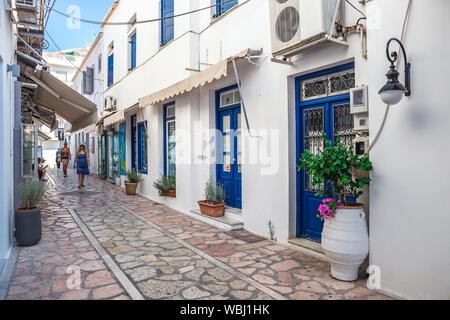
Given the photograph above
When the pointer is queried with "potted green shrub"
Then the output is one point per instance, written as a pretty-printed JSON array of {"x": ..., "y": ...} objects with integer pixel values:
[
  {"x": 133, "y": 179},
  {"x": 166, "y": 186},
  {"x": 214, "y": 203},
  {"x": 27, "y": 219},
  {"x": 338, "y": 173}
]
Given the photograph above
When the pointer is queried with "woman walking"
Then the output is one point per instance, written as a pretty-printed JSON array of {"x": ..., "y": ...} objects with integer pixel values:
[
  {"x": 65, "y": 158},
  {"x": 82, "y": 164}
]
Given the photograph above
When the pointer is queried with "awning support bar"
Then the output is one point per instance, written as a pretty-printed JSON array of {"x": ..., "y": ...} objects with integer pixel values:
[{"x": 242, "y": 96}]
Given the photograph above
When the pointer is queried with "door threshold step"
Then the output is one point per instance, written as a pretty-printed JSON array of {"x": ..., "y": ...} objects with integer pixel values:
[
  {"x": 312, "y": 245},
  {"x": 223, "y": 223},
  {"x": 233, "y": 213}
]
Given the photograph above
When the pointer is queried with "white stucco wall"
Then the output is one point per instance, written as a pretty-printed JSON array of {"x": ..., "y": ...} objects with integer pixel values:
[
  {"x": 91, "y": 61},
  {"x": 409, "y": 227},
  {"x": 6, "y": 133},
  {"x": 268, "y": 93}
]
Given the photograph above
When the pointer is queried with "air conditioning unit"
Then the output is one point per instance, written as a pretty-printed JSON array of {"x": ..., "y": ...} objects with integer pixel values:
[
  {"x": 28, "y": 11},
  {"x": 297, "y": 23},
  {"x": 110, "y": 104}
]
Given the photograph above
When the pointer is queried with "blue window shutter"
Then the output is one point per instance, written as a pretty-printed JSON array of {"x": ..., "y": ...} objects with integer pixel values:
[
  {"x": 84, "y": 82},
  {"x": 167, "y": 25},
  {"x": 225, "y": 7},
  {"x": 110, "y": 70},
  {"x": 133, "y": 52}
]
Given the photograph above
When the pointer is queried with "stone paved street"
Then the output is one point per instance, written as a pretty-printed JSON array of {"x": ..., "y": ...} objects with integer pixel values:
[{"x": 162, "y": 254}]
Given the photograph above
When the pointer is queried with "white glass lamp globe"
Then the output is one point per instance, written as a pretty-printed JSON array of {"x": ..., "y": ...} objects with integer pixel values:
[{"x": 391, "y": 97}]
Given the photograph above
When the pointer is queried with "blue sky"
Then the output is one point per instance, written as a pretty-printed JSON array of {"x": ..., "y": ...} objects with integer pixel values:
[{"x": 67, "y": 34}]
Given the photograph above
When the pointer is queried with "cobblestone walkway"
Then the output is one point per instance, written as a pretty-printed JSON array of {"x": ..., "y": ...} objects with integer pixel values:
[{"x": 163, "y": 253}]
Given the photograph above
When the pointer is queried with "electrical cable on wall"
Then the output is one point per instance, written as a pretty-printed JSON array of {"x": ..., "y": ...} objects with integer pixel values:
[
  {"x": 405, "y": 22},
  {"x": 143, "y": 21}
]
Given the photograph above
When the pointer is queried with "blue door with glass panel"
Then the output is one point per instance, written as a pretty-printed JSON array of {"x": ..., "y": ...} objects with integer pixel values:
[
  {"x": 229, "y": 169},
  {"x": 133, "y": 142},
  {"x": 167, "y": 25},
  {"x": 329, "y": 113}
]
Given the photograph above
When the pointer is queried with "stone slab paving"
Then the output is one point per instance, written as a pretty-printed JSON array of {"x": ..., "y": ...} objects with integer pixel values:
[
  {"x": 169, "y": 255},
  {"x": 42, "y": 271},
  {"x": 160, "y": 266}
]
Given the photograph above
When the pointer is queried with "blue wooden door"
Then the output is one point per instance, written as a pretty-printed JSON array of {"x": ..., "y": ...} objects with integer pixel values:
[
  {"x": 229, "y": 171},
  {"x": 133, "y": 142},
  {"x": 332, "y": 117},
  {"x": 103, "y": 161}
]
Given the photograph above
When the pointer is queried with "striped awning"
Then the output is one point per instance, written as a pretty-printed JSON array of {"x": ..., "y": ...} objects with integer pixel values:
[
  {"x": 114, "y": 118},
  {"x": 208, "y": 75}
]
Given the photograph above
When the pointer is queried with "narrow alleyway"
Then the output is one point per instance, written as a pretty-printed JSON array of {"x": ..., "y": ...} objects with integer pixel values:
[{"x": 128, "y": 247}]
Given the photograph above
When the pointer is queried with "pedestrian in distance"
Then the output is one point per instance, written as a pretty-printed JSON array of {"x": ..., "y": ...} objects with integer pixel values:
[
  {"x": 65, "y": 158},
  {"x": 82, "y": 164},
  {"x": 58, "y": 158}
]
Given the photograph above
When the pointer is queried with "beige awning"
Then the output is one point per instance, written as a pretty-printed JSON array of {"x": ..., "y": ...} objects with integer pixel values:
[
  {"x": 103, "y": 117},
  {"x": 114, "y": 118},
  {"x": 90, "y": 128},
  {"x": 214, "y": 72},
  {"x": 43, "y": 135},
  {"x": 56, "y": 95},
  {"x": 85, "y": 121}
]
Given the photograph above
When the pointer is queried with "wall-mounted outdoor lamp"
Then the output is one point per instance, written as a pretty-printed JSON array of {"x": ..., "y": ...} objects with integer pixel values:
[{"x": 393, "y": 90}]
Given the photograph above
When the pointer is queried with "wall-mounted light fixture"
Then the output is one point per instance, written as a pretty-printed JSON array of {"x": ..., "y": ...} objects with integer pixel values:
[{"x": 393, "y": 91}]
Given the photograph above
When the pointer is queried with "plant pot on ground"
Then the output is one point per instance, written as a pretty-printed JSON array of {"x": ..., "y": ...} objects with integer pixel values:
[
  {"x": 27, "y": 219},
  {"x": 166, "y": 186},
  {"x": 213, "y": 205},
  {"x": 337, "y": 173},
  {"x": 133, "y": 179}
]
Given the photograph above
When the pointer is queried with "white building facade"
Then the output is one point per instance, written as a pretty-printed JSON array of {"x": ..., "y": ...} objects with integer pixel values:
[
  {"x": 7, "y": 94},
  {"x": 88, "y": 81},
  {"x": 250, "y": 139}
]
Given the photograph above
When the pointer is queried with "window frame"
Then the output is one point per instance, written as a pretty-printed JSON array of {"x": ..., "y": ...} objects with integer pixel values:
[
  {"x": 99, "y": 63},
  {"x": 219, "y": 8},
  {"x": 142, "y": 167},
  {"x": 165, "y": 41},
  {"x": 132, "y": 50},
  {"x": 166, "y": 121}
]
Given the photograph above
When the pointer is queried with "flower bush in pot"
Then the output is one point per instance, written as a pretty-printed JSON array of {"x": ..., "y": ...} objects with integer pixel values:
[
  {"x": 336, "y": 173},
  {"x": 166, "y": 186},
  {"x": 133, "y": 179},
  {"x": 214, "y": 203},
  {"x": 27, "y": 219}
]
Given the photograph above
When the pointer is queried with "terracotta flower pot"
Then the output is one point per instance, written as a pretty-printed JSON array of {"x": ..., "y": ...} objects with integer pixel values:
[
  {"x": 130, "y": 188},
  {"x": 212, "y": 210},
  {"x": 171, "y": 193},
  {"x": 28, "y": 226}
]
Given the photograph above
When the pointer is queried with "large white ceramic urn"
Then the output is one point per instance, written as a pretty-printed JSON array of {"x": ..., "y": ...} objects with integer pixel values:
[{"x": 345, "y": 241}]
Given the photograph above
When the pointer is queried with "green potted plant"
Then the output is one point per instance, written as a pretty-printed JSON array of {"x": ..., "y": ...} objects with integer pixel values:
[
  {"x": 337, "y": 173},
  {"x": 133, "y": 179},
  {"x": 214, "y": 203},
  {"x": 166, "y": 186},
  {"x": 27, "y": 219}
]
